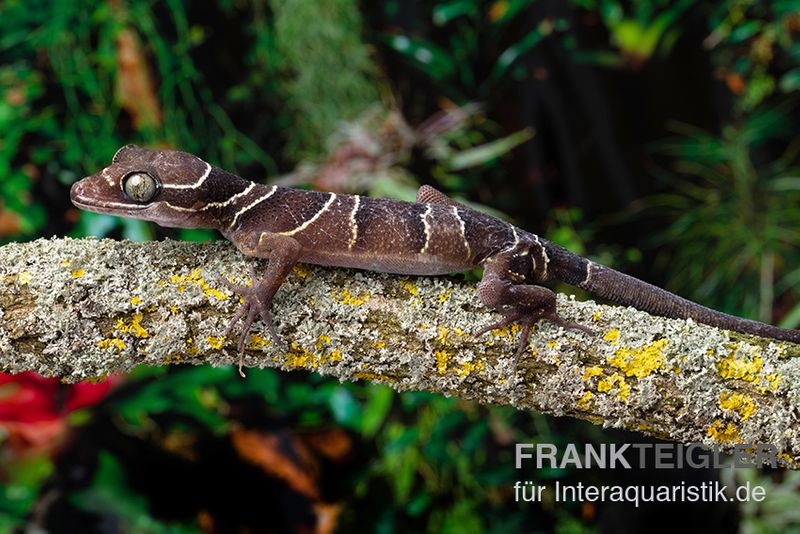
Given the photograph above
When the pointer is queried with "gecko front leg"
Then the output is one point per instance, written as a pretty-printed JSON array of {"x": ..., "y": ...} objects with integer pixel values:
[{"x": 282, "y": 253}]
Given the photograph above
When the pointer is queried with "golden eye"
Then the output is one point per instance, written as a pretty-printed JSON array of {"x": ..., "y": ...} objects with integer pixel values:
[{"x": 140, "y": 186}]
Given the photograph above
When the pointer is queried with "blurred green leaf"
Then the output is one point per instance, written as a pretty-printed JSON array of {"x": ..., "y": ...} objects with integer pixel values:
[
  {"x": 481, "y": 155},
  {"x": 378, "y": 403},
  {"x": 790, "y": 81},
  {"x": 447, "y": 11},
  {"x": 345, "y": 408}
]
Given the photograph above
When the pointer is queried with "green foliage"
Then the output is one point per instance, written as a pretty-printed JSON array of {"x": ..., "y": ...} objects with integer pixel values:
[
  {"x": 638, "y": 29},
  {"x": 779, "y": 511},
  {"x": 17, "y": 497},
  {"x": 474, "y": 34},
  {"x": 317, "y": 41},
  {"x": 736, "y": 212},
  {"x": 756, "y": 50}
]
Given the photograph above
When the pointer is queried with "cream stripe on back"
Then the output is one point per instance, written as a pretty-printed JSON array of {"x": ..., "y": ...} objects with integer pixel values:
[
  {"x": 312, "y": 219},
  {"x": 251, "y": 205}
]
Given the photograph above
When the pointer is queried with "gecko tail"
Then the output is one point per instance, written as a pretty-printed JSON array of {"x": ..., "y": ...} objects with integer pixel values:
[{"x": 621, "y": 288}]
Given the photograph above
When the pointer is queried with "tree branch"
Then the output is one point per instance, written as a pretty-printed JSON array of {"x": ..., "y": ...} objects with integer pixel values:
[{"x": 80, "y": 309}]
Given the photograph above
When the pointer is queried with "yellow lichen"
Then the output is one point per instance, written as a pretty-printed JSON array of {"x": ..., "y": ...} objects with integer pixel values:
[
  {"x": 24, "y": 277},
  {"x": 442, "y": 359},
  {"x": 366, "y": 375},
  {"x": 302, "y": 357},
  {"x": 444, "y": 297},
  {"x": 733, "y": 368},
  {"x": 640, "y": 362},
  {"x": 336, "y": 356},
  {"x": 197, "y": 279},
  {"x": 301, "y": 271},
  {"x": 111, "y": 343},
  {"x": 299, "y": 357},
  {"x": 467, "y": 368},
  {"x": 408, "y": 286},
  {"x": 612, "y": 336},
  {"x": 348, "y": 299},
  {"x": 584, "y": 402},
  {"x": 606, "y": 385},
  {"x": 589, "y": 372},
  {"x": 66, "y": 263},
  {"x": 441, "y": 337},
  {"x": 135, "y": 301},
  {"x": 258, "y": 342},
  {"x": 723, "y": 432},
  {"x": 741, "y": 404},
  {"x": 596, "y": 316},
  {"x": 78, "y": 273},
  {"x": 773, "y": 383},
  {"x": 191, "y": 349},
  {"x": 135, "y": 327},
  {"x": 323, "y": 341},
  {"x": 379, "y": 344},
  {"x": 507, "y": 331},
  {"x": 215, "y": 342}
]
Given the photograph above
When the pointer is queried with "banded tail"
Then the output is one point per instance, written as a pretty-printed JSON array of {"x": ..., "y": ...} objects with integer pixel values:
[{"x": 618, "y": 287}]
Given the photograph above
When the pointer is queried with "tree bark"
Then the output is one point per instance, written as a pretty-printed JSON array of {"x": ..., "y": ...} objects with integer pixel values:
[{"x": 82, "y": 309}]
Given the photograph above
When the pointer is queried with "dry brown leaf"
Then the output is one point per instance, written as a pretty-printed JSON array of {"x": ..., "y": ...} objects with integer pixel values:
[{"x": 135, "y": 89}]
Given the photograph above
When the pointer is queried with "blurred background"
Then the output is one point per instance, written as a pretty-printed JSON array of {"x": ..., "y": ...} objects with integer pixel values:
[{"x": 659, "y": 138}]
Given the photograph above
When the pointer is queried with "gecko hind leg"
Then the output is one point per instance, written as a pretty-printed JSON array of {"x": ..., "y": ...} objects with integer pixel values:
[{"x": 521, "y": 304}]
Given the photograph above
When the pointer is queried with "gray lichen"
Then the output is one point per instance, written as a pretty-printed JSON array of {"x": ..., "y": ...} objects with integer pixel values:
[{"x": 80, "y": 309}]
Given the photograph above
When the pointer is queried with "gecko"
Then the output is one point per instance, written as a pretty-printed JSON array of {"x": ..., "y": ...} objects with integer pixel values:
[{"x": 435, "y": 235}]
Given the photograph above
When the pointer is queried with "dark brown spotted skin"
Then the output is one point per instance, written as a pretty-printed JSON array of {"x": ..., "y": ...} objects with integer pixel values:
[{"x": 435, "y": 235}]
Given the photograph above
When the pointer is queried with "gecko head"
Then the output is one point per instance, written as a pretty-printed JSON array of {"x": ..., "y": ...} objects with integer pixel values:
[{"x": 164, "y": 186}]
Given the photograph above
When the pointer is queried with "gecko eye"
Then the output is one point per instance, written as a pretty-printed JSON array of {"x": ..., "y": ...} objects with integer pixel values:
[{"x": 140, "y": 186}]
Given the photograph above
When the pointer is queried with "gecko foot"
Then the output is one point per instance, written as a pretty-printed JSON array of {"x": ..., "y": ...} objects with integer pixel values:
[
  {"x": 252, "y": 306},
  {"x": 528, "y": 320}
]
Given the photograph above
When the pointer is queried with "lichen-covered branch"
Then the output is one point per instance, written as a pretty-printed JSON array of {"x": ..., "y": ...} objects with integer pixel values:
[{"x": 79, "y": 309}]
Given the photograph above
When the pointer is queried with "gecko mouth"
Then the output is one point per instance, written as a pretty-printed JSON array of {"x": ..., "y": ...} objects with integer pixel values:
[
  {"x": 105, "y": 207},
  {"x": 86, "y": 195}
]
